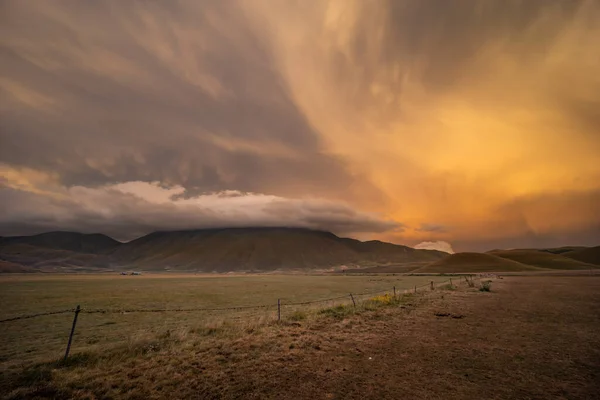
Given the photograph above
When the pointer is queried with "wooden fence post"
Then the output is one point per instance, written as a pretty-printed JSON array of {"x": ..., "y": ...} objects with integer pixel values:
[
  {"x": 431, "y": 285},
  {"x": 394, "y": 291},
  {"x": 77, "y": 310},
  {"x": 353, "y": 302},
  {"x": 278, "y": 309},
  {"x": 415, "y": 288},
  {"x": 450, "y": 282}
]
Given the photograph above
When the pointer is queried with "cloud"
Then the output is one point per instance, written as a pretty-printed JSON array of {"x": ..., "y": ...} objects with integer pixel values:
[
  {"x": 438, "y": 245},
  {"x": 190, "y": 101},
  {"x": 427, "y": 227},
  {"x": 479, "y": 116},
  {"x": 131, "y": 209}
]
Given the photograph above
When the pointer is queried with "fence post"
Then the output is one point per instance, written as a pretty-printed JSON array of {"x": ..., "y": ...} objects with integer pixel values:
[
  {"x": 394, "y": 291},
  {"x": 415, "y": 288},
  {"x": 278, "y": 309},
  {"x": 353, "y": 302},
  {"x": 450, "y": 282},
  {"x": 431, "y": 285},
  {"x": 77, "y": 310}
]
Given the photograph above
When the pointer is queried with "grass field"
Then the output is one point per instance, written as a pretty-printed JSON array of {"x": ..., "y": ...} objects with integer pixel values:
[
  {"x": 44, "y": 338},
  {"x": 533, "y": 337}
]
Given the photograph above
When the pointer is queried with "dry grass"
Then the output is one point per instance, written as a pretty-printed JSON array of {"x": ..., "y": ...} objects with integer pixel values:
[
  {"x": 531, "y": 337},
  {"x": 44, "y": 339}
]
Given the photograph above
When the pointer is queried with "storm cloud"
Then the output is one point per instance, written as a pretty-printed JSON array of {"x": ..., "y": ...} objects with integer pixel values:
[
  {"x": 127, "y": 211},
  {"x": 471, "y": 122}
]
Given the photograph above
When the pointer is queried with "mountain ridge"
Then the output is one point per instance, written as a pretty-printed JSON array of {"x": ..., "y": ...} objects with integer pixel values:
[{"x": 206, "y": 250}]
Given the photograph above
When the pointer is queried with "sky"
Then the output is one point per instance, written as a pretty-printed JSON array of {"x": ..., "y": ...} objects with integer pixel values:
[{"x": 466, "y": 125}]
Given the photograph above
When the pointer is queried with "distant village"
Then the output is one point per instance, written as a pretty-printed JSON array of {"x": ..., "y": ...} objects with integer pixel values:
[{"x": 131, "y": 273}]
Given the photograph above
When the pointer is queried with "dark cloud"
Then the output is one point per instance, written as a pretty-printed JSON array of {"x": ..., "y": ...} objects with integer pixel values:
[
  {"x": 190, "y": 99},
  {"x": 470, "y": 114},
  {"x": 440, "y": 39},
  {"x": 124, "y": 215}
]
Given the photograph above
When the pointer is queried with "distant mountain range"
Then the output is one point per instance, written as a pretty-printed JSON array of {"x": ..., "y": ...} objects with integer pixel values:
[
  {"x": 204, "y": 250},
  {"x": 266, "y": 249}
]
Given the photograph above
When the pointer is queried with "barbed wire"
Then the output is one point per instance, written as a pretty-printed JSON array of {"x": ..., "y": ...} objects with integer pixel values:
[
  {"x": 150, "y": 310},
  {"x": 37, "y": 315},
  {"x": 253, "y": 307},
  {"x": 315, "y": 301}
]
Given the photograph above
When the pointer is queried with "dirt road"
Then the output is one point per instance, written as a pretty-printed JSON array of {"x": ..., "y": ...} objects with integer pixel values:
[{"x": 530, "y": 338}]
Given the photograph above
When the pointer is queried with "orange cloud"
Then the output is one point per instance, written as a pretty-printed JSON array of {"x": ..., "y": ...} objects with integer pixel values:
[{"x": 478, "y": 117}]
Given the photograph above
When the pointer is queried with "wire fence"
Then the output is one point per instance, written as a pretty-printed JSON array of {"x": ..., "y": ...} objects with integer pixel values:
[{"x": 275, "y": 311}]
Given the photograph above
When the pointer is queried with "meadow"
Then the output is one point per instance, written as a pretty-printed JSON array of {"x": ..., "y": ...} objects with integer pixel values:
[{"x": 44, "y": 338}]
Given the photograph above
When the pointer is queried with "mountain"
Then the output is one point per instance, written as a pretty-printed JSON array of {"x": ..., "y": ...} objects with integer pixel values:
[
  {"x": 222, "y": 250},
  {"x": 542, "y": 259},
  {"x": 232, "y": 249},
  {"x": 474, "y": 262},
  {"x": 57, "y": 252},
  {"x": 43, "y": 259},
  {"x": 94, "y": 243}
]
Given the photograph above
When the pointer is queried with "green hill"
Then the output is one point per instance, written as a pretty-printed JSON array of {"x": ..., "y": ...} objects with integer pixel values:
[
  {"x": 542, "y": 259},
  {"x": 473, "y": 263},
  {"x": 10, "y": 267},
  {"x": 562, "y": 250},
  {"x": 589, "y": 255}
]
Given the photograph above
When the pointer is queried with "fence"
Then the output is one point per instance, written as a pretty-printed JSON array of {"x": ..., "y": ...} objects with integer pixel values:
[{"x": 275, "y": 311}]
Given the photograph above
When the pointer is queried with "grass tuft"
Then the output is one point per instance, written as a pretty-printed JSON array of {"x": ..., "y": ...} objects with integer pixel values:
[
  {"x": 470, "y": 281},
  {"x": 298, "y": 316},
  {"x": 338, "y": 312},
  {"x": 386, "y": 299},
  {"x": 486, "y": 286}
]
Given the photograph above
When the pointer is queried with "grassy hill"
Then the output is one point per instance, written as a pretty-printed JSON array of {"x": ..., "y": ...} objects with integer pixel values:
[
  {"x": 57, "y": 251},
  {"x": 542, "y": 259},
  {"x": 387, "y": 269},
  {"x": 474, "y": 262},
  {"x": 562, "y": 250},
  {"x": 10, "y": 267},
  {"x": 384, "y": 252},
  {"x": 589, "y": 255},
  {"x": 51, "y": 260}
]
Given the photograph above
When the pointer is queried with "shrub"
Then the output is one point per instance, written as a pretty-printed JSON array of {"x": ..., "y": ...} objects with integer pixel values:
[
  {"x": 298, "y": 316},
  {"x": 386, "y": 299},
  {"x": 486, "y": 286},
  {"x": 470, "y": 281},
  {"x": 337, "y": 312}
]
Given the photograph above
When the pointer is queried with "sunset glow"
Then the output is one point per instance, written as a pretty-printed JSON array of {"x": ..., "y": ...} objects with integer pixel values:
[{"x": 475, "y": 123}]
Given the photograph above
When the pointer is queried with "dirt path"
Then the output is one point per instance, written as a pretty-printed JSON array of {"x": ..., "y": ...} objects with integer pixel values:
[{"x": 530, "y": 338}]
